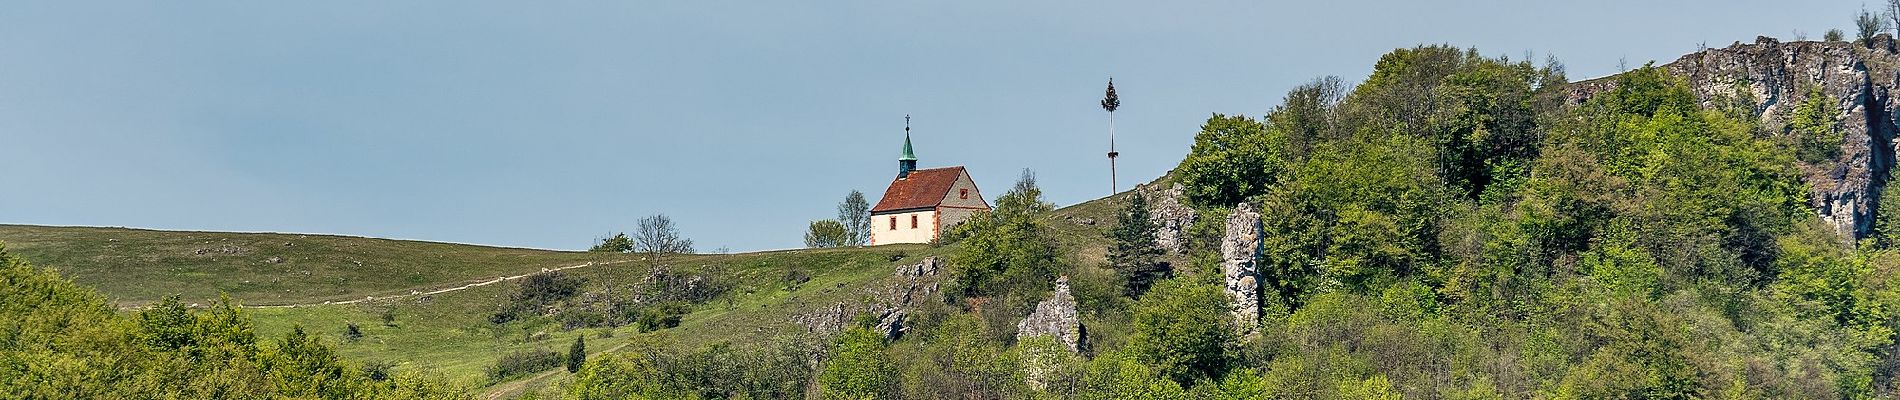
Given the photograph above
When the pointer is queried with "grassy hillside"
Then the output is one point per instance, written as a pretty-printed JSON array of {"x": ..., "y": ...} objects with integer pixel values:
[
  {"x": 136, "y": 266},
  {"x": 449, "y": 334}
]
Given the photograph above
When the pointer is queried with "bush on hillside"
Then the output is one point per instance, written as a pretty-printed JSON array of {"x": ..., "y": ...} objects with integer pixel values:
[
  {"x": 536, "y": 292},
  {"x": 617, "y": 243},
  {"x": 523, "y": 362}
]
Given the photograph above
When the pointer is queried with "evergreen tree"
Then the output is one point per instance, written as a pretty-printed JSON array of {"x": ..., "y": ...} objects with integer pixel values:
[
  {"x": 577, "y": 354},
  {"x": 1134, "y": 253},
  {"x": 1886, "y": 229}
]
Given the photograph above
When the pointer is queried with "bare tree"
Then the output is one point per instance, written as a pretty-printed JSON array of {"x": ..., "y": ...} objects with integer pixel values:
[
  {"x": 855, "y": 214},
  {"x": 656, "y": 236},
  {"x": 1893, "y": 15}
]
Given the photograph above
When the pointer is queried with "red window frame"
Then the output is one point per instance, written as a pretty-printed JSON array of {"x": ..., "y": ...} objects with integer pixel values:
[
  {"x": 893, "y": 223},
  {"x": 913, "y": 221},
  {"x": 963, "y": 194}
]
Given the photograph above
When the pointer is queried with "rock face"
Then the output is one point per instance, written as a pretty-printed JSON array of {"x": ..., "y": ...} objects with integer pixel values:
[
  {"x": 911, "y": 284},
  {"x": 1168, "y": 210},
  {"x": 1776, "y": 77},
  {"x": 1055, "y": 317},
  {"x": 1240, "y": 265}
]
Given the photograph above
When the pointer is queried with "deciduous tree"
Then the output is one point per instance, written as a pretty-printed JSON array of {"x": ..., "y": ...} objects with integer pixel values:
[
  {"x": 826, "y": 233},
  {"x": 855, "y": 214}
]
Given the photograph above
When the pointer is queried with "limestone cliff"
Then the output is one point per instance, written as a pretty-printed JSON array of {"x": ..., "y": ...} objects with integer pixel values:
[{"x": 1773, "y": 77}]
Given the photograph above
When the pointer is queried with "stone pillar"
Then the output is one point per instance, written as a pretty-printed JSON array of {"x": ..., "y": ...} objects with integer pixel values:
[
  {"x": 1056, "y": 317},
  {"x": 1240, "y": 264}
]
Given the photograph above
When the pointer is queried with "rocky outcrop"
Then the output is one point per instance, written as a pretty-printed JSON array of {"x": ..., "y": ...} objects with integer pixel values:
[
  {"x": 1168, "y": 210},
  {"x": 1055, "y": 317},
  {"x": 1774, "y": 77},
  {"x": 887, "y": 304},
  {"x": 1240, "y": 265}
]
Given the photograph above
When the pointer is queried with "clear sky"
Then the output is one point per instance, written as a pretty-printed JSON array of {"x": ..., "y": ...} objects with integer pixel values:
[{"x": 547, "y": 124}]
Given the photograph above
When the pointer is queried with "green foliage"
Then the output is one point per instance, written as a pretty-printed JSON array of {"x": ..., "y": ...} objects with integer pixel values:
[
  {"x": 957, "y": 359},
  {"x": 1834, "y": 35},
  {"x": 859, "y": 370},
  {"x": 577, "y": 354},
  {"x": 1886, "y": 229},
  {"x": 536, "y": 292},
  {"x": 1005, "y": 249},
  {"x": 619, "y": 376},
  {"x": 1356, "y": 213},
  {"x": 1124, "y": 376},
  {"x": 1184, "y": 330},
  {"x": 524, "y": 362},
  {"x": 59, "y": 340},
  {"x": 660, "y": 316},
  {"x": 1233, "y": 158},
  {"x": 776, "y": 369},
  {"x": 827, "y": 233},
  {"x": 1867, "y": 24},
  {"x": 388, "y": 316},
  {"x": 1812, "y": 128},
  {"x": 1133, "y": 253},
  {"x": 1475, "y": 112},
  {"x": 1309, "y": 115},
  {"x": 618, "y": 243}
]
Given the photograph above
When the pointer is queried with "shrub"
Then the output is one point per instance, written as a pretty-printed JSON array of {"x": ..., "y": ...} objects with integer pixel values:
[
  {"x": 1184, "y": 330},
  {"x": 378, "y": 370},
  {"x": 618, "y": 243},
  {"x": 861, "y": 369},
  {"x": 535, "y": 292},
  {"x": 351, "y": 332},
  {"x": 523, "y": 362},
  {"x": 661, "y": 316}
]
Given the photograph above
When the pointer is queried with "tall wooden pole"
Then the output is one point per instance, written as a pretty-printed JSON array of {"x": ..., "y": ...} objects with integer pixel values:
[
  {"x": 1112, "y": 186},
  {"x": 1110, "y": 102}
]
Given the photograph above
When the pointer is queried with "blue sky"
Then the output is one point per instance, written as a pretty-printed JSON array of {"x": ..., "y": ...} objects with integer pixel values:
[{"x": 547, "y": 124}]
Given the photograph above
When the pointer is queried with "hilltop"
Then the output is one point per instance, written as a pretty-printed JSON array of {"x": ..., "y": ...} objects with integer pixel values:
[{"x": 138, "y": 266}]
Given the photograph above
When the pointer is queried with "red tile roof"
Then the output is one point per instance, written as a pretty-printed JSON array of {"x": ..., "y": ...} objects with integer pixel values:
[{"x": 924, "y": 188}]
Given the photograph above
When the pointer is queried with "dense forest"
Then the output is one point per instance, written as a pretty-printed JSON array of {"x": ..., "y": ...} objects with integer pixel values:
[{"x": 1452, "y": 226}]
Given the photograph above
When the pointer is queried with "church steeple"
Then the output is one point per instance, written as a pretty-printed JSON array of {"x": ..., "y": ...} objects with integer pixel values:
[{"x": 908, "y": 161}]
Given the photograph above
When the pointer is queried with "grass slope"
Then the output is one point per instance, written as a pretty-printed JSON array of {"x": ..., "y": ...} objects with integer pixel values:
[
  {"x": 449, "y": 334},
  {"x": 136, "y": 266}
]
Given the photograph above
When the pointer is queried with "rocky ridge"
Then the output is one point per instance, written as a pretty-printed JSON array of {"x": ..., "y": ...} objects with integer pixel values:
[
  {"x": 1773, "y": 77},
  {"x": 912, "y": 283}
]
